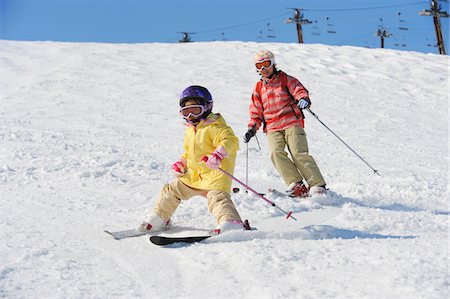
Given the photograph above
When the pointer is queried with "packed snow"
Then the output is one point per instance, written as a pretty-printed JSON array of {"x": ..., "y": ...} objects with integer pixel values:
[{"x": 89, "y": 131}]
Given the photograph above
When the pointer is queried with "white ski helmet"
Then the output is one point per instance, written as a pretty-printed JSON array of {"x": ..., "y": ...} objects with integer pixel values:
[{"x": 264, "y": 55}]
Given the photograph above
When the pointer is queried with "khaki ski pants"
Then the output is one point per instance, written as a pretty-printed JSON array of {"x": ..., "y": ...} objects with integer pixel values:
[
  {"x": 219, "y": 202},
  {"x": 300, "y": 164}
]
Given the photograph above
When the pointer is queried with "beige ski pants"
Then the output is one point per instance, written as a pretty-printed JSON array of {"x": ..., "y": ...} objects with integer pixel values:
[
  {"x": 219, "y": 202},
  {"x": 300, "y": 164}
]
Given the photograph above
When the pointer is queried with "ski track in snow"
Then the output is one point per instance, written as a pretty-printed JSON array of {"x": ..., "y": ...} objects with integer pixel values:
[{"x": 89, "y": 131}]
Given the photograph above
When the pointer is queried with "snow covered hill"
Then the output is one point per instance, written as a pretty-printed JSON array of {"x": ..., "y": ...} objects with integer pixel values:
[{"x": 89, "y": 131}]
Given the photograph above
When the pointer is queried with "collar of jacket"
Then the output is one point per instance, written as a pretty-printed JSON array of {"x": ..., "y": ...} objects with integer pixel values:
[
  {"x": 271, "y": 78},
  {"x": 211, "y": 118}
]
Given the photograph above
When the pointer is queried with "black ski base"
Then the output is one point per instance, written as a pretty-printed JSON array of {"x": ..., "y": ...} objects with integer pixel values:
[{"x": 161, "y": 241}]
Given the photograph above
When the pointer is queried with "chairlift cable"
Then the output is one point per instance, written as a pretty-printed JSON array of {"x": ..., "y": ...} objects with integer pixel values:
[
  {"x": 243, "y": 24},
  {"x": 363, "y": 8}
]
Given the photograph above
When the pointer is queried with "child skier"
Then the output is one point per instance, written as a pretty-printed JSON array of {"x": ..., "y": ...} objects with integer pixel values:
[
  {"x": 276, "y": 103},
  {"x": 207, "y": 134}
]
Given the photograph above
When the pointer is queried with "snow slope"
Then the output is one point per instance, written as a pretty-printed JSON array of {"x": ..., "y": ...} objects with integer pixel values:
[{"x": 89, "y": 131}]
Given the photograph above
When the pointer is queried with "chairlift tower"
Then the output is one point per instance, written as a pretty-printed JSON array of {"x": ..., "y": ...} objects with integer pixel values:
[
  {"x": 383, "y": 33},
  {"x": 298, "y": 20},
  {"x": 437, "y": 13},
  {"x": 186, "y": 37}
]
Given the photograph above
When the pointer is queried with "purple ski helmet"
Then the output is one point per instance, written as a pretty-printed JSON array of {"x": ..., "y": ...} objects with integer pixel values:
[
  {"x": 203, "y": 98},
  {"x": 196, "y": 92}
]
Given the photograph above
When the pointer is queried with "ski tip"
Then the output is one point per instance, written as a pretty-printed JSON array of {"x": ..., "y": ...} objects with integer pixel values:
[
  {"x": 124, "y": 234},
  {"x": 111, "y": 234}
]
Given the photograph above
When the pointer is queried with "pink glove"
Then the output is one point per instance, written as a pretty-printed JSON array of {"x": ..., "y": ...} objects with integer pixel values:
[
  {"x": 216, "y": 157},
  {"x": 179, "y": 168}
]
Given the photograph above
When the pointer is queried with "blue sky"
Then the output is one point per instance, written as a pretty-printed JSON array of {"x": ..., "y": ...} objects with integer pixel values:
[{"x": 140, "y": 21}]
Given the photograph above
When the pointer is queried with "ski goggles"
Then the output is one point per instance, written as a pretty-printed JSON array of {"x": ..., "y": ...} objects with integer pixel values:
[
  {"x": 192, "y": 111},
  {"x": 264, "y": 64}
]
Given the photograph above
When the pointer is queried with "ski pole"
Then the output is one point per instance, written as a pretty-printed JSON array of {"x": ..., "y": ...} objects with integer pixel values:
[
  {"x": 288, "y": 214},
  {"x": 257, "y": 141},
  {"x": 374, "y": 170},
  {"x": 256, "y": 137},
  {"x": 246, "y": 164}
]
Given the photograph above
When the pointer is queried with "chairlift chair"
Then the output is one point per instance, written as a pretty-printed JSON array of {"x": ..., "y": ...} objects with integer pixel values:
[
  {"x": 269, "y": 35},
  {"x": 316, "y": 30},
  {"x": 330, "y": 26},
  {"x": 400, "y": 21}
]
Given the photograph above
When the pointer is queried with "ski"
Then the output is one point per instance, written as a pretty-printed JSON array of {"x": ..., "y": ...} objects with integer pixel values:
[
  {"x": 130, "y": 233},
  {"x": 124, "y": 234},
  {"x": 161, "y": 241}
]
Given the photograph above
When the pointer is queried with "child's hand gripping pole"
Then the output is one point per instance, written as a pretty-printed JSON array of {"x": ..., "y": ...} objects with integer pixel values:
[{"x": 288, "y": 214}]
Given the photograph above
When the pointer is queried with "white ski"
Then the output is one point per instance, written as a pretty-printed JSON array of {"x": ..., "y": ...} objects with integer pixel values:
[{"x": 123, "y": 234}]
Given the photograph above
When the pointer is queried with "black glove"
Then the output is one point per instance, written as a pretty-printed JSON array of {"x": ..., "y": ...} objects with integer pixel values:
[{"x": 250, "y": 133}]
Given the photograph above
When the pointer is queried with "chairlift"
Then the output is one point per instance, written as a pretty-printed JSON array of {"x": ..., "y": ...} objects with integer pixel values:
[
  {"x": 260, "y": 36},
  {"x": 380, "y": 26},
  {"x": 401, "y": 44},
  {"x": 330, "y": 26},
  {"x": 186, "y": 37},
  {"x": 316, "y": 30},
  {"x": 429, "y": 43},
  {"x": 400, "y": 21},
  {"x": 223, "y": 36},
  {"x": 269, "y": 30}
]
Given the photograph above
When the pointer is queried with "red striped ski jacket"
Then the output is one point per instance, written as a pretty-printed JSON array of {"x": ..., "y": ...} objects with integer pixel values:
[{"x": 274, "y": 103}]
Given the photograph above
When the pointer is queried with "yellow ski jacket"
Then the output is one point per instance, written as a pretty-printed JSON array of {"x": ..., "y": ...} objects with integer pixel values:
[{"x": 202, "y": 140}]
